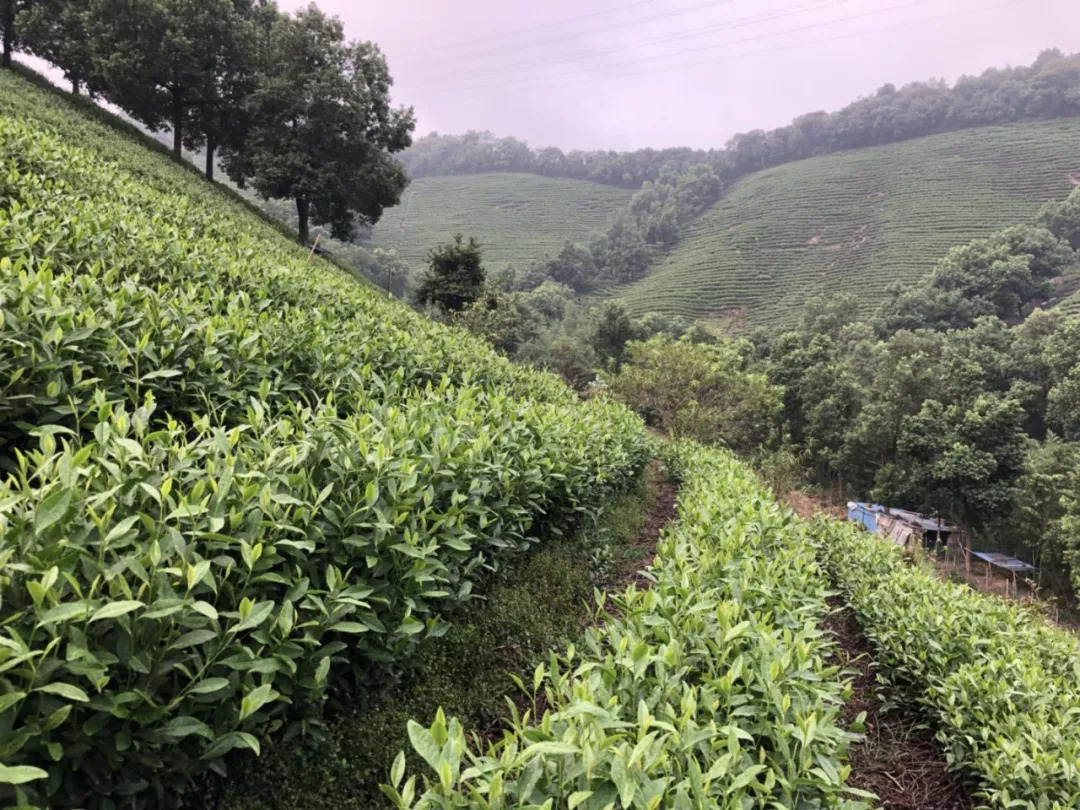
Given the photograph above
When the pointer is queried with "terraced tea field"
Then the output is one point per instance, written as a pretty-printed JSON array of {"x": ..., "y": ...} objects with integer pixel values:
[
  {"x": 516, "y": 217},
  {"x": 856, "y": 221}
]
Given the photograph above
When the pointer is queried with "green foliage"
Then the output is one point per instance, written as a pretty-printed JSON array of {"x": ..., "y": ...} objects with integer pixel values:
[
  {"x": 322, "y": 129},
  {"x": 999, "y": 685},
  {"x": 996, "y": 276},
  {"x": 699, "y": 391},
  {"x": 1063, "y": 218},
  {"x": 613, "y": 330},
  {"x": 235, "y": 480},
  {"x": 456, "y": 276},
  {"x": 59, "y": 32},
  {"x": 1040, "y": 506},
  {"x": 709, "y": 689},
  {"x": 519, "y": 218},
  {"x": 178, "y": 64},
  {"x": 531, "y": 608},
  {"x": 856, "y": 221}
]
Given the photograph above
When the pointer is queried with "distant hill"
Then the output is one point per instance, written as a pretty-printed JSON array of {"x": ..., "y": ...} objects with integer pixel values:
[
  {"x": 856, "y": 221},
  {"x": 516, "y": 217}
]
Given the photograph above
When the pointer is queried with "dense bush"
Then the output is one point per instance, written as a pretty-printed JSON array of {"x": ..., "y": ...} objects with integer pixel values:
[
  {"x": 709, "y": 689},
  {"x": 699, "y": 391},
  {"x": 999, "y": 685},
  {"x": 235, "y": 480}
]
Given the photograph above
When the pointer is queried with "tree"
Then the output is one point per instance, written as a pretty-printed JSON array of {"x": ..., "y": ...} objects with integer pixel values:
[
  {"x": 173, "y": 63},
  {"x": 993, "y": 276},
  {"x": 614, "y": 329},
  {"x": 58, "y": 31},
  {"x": 455, "y": 278},
  {"x": 699, "y": 391},
  {"x": 9, "y": 14},
  {"x": 322, "y": 128},
  {"x": 1063, "y": 218},
  {"x": 574, "y": 266}
]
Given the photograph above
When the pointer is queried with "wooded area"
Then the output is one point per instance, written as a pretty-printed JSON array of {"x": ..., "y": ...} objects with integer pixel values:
[{"x": 283, "y": 102}]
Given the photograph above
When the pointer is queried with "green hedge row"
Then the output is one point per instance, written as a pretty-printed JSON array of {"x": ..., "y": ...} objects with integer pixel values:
[
  {"x": 708, "y": 690},
  {"x": 1001, "y": 687},
  {"x": 108, "y": 283},
  {"x": 234, "y": 481}
]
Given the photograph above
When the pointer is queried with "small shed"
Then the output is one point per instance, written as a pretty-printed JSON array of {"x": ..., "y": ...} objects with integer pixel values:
[{"x": 901, "y": 526}]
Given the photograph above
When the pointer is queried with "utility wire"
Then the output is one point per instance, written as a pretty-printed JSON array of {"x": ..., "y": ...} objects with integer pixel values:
[
  {"x": 461, "y": 43},
  {"x": 714, "y": 46},
  {"x": 782, "y": 48},
  {"x": 677, "y": 12},
  {"x": 699, "y": 31}
]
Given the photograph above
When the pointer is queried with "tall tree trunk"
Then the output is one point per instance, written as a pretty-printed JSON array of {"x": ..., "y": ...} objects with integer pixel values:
[
  {"x": 302, "y": 217},
  {"x": 209, "y": 157},
  {"x": 9, "y": 31},
  {"x": 76, "y": 86},
  {"x": 178, "y": 124}
]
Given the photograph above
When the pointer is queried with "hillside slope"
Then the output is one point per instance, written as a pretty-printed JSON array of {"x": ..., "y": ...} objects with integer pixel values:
[
  {"x": 856, "y": 221},
  {"x": 516, "y": 217},
  {"x": 231, "y": 477}
]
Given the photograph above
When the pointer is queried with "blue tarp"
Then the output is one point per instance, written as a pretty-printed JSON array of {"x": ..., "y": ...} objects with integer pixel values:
[{"x": 865, "y": 513}]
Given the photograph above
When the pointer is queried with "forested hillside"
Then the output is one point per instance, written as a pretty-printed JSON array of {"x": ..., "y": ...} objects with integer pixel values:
[
  {"x": 518, "y": 218},
  {"x": 855, "y": 222}
]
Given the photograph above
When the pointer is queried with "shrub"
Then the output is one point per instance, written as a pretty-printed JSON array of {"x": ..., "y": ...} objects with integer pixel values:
[
  {"x": 709, "y": 689},
  {"x": 998, "y": 684}
]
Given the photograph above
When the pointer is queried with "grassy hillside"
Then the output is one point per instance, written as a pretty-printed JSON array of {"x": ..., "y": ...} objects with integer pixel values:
[
  {"x": 856, "y": 221},
  {"x": 231, "y": 477},
  {"x": 516, "y": 217}
]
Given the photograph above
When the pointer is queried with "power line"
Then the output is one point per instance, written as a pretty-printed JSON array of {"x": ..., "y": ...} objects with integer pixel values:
[
  {"x": 758, "y": 37},
  {"x": 782, "y": 48},
  {"x": 739, "y": 22},
  {"x": 514, "y": 32},
  {"x": 664, "y": 15}
]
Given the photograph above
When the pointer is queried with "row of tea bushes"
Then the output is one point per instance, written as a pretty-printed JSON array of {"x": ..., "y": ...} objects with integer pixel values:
[
  {"x": 1001, "y": 687},
  {"x": 171, "y": 592},
  {"x": 709, "y": 689},
  {"x": 232, "y": 480},
  {"x": 109, "y": 283}
]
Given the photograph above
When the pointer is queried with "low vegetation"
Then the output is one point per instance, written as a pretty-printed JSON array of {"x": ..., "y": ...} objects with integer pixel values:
[
  {"x": 235, "y": 482},
  {"x": 855, "y": 222},
  {"x": 540, "y": 604},
  {"x": 708, "y": 688},
  {"x": 517, "y": 218},
  {"x": 998, "y": 685}
]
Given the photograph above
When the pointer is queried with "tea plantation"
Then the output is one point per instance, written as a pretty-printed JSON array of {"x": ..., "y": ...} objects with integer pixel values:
[
  {"x": 516, "y": 217},
  {"x": 712, "y": 686},
  {"x": 856, "y": 221},
  {"x": 237, "y": 487},
  {"x": 232, "y": 479}
]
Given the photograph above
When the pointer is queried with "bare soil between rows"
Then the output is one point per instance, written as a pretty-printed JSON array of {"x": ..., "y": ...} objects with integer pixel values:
[{"x": 899, "y": 759}]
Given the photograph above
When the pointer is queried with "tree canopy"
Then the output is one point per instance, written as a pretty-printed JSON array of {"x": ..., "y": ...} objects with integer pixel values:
[{"x": 322, "y": 127}]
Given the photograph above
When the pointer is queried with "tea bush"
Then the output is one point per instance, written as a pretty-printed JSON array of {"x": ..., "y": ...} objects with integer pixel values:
[
  {"x": 235, "y": 481},
  {"x": 708, "y": 690},
  {"x": 1002, "y": 688}
]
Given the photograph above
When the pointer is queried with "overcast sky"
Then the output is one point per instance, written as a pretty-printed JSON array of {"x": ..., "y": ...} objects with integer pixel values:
[{"x": 624, "y": 74}]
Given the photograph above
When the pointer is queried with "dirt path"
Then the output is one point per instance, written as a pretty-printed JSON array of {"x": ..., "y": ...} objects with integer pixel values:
[
  {"x": 643, "y": 549},
  {"x": 898, "y": 760}
]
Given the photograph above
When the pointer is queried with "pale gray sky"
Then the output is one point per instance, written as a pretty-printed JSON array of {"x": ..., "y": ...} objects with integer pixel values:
[{"x": 624, "y": 74}]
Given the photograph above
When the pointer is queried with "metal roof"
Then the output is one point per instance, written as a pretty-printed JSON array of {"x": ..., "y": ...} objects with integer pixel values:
[
  {"x": 913, "y": 518},
  {"x": 1004, "y": 561}
]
